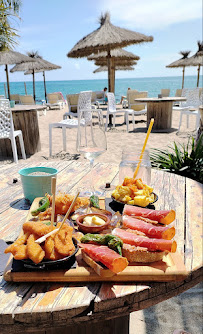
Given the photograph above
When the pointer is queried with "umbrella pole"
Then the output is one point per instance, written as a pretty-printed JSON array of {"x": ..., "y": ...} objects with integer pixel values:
[
  {"x": 183, "y": 77},
  {"x": 198, "y": 70},
  {"x": 25, "y": 88},
  {"x": 109, "y": 71},
  {"x": 33, "y": 79},
  {"x": 5, "y": 90},
  {"x": 45, "y": 90},
  {"x": 7, "y": 78},
  {"x": 112, "y": 75}
]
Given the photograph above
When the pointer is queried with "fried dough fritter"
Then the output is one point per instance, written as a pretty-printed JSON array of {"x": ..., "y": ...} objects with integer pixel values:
[
  {"x": 20, "y": 241},
  {"x": 38, "y": 228},
  {"x": 34, "y": 250},
  {"x": 63, "y": 240},
  {"x": 20, "y": 252}
]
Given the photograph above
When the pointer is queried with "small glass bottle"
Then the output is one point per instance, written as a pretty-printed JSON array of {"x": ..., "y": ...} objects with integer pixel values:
[{"x": 130, "y": 160}]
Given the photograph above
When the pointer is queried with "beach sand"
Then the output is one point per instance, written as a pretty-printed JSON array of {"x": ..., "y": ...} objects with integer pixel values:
[
  {"x": 183, "y": 311},
  {"x": 117, "y": 138}
]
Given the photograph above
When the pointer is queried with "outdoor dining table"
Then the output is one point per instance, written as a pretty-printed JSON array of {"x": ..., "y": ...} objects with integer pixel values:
[
  {"x": 94, "y": 307},
  {"x": 160, "y": 108},
  {"x": 25, "y": 118}
]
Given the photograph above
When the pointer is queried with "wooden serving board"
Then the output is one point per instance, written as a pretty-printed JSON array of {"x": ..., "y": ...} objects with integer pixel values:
[{"x": 171, "y": 268}]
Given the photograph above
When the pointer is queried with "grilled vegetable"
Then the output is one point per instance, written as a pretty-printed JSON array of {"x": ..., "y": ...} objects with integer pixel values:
[
  {"x": 44, "y": 204},
  {"x": 94, "y": 201},
  {"x": 109, "y": 240}
]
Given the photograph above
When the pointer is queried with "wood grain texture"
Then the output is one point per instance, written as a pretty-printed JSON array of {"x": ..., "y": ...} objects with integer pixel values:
[
  {"x": 53, "y": 307},
  {"x": 162, "y": 114}
]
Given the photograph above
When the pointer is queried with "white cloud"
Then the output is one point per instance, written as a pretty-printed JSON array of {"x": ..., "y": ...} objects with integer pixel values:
[{"x": 152, "y": 14}]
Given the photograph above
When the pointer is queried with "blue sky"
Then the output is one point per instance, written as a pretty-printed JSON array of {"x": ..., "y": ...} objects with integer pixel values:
[{"x": 53, "y": 27}]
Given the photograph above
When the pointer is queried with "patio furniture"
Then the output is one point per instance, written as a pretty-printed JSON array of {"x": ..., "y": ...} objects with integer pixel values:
[
  {"x": 113, "y": 111},
  {"x": 53, "y": 101},
  {"x": 161, "y": 110},
  {"x": 165, "y": 92},
  {"x": 95, "y": 307},
  {"x": 190, "y": 106},
  {"x": 26, "y": 99},
  {"x": 7, "y": 129},
  {"x": 137, "y": 108},
  {"x": 100, "y": 96},
  {"x": 84, "y": 103},
  {"x": 15, "y": 98}
]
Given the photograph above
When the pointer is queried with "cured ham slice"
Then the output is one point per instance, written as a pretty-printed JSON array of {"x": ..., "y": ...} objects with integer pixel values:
[
  {"x": 149, "y": 243},
  {"x": 162, "y": 216},
  {"x": 106, "y": 256},
  {"x": 150, "y": 230}
]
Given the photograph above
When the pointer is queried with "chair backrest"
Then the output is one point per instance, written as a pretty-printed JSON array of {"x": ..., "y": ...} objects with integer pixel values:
[
  {"x": 6, "y": 121},
  {"x": 178, "y": 93},
  {"x": 26, "y": 99},
  {"x": 94, "y": 97},
  {"x": 72, "y": 100},
  {"x": 84, "y": 101},
  {"x": 2, "y": 97},
  {"x": 132, "y": 104},
  {"x": 165, "y": 92},
  {"x": 192, "y": 96},
  {"x": 15, "y": 97},
  {"x": 100, "y": 95},
  {"x": 111, "y": 102},
  {"x": 52, "y": 98}
]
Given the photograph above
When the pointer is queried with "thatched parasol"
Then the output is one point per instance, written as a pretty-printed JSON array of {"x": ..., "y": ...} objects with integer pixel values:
[
  {"x": 115, "y": 54},
  {"x": 11, "y": 58},
  {"x": 182, "y": 62},
  {"x": 40, "y": 65},
  {"x": 197, "y": 59},
  {"x": 106, "y": 38},
  {"x": 117, "y": 68}
]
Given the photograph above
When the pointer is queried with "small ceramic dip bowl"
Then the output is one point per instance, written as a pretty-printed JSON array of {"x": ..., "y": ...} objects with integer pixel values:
[{"x": 94, "y": 228}]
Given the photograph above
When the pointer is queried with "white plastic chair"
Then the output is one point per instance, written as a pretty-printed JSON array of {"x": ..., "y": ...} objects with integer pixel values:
[
  {"x": 190, "y": 106},
  {"x": 84, "y": 103},
  {"x": 111, "y": 110},
  {"x": 7, "y": 129},
  {"x": 138, "y": 108}
]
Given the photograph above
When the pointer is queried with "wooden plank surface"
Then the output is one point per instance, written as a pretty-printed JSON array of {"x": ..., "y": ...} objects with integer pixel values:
[{"x": 29, "y": 302}]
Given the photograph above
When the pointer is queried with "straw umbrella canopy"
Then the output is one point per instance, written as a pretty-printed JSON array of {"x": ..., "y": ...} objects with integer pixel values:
[
  {"x": 40, "y": 65},
  {"x": 106, "y": 38},
  {"x": 9, "y": 57},
  {"x": 117, "y": 68},
  {"x": 115, "y": 54},
  {"x": 197, "y": 60},
  {"x": 182, "y": 62}
]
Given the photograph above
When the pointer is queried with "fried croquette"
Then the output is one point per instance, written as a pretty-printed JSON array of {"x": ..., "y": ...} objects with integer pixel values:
[
  {"x": 63, "y": 202},
  {"x": 38, "y": 228},
  {"x": 20, "y": 252},
  {"x": 20, "y": 241},
  {"x": 63, "y": 240},
  {"x": 34, "y": 250}
]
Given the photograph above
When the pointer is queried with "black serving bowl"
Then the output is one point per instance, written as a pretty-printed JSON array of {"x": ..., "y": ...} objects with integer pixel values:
[
  {"x": 49, "y": 264},
  {"x": 122, "y": 203}
]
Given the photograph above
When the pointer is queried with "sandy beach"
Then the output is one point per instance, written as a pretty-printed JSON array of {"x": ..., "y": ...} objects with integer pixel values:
[{"x": 117, "y": 138}]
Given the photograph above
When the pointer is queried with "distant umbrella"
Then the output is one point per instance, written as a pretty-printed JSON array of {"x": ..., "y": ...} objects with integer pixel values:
[
  {"x": 106, "y": 38},
  {"x": 40, "y": 65},
  {"x": 11, "y": 58},
  {"x": 197, "y": 60},
  {"x": 117, "y": 68},
  {"x": 182, "y": 62}
]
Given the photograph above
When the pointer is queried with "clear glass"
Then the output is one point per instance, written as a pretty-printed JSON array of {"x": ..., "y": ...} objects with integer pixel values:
[
  {"x": 91, "y": 140},
  {"x": 130, "y": 160}
]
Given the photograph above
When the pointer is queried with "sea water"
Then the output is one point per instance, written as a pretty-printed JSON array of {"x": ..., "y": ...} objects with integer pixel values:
[{"x": 152, "y": 85}]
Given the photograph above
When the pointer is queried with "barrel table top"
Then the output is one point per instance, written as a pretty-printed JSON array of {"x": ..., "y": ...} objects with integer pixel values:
[
  {"x": 48, "y": 306},
  {"x": 160, "y": 99},
  {"x": 27, "y": 107}
]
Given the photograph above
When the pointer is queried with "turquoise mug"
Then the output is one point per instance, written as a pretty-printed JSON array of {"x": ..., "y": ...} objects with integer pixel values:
[{"x": 36, "y": 181}]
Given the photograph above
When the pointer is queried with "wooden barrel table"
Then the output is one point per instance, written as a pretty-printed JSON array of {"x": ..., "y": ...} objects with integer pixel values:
[
  {"x": 161, "y": 110},
  {"x": 25, "y": 118},
  {"x": 94, "y": 307}
]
